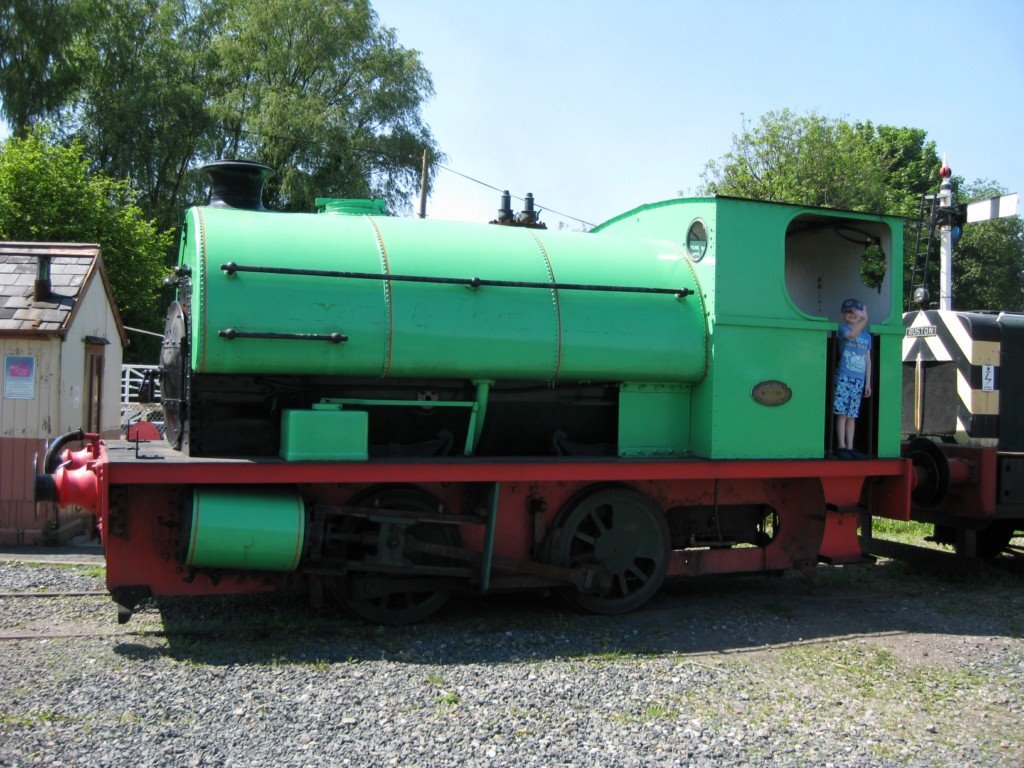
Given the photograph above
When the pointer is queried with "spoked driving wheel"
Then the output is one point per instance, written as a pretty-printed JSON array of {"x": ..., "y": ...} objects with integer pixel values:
[
  {"x": 376, "y": 549},
  {"x": 622, "y": 532}
]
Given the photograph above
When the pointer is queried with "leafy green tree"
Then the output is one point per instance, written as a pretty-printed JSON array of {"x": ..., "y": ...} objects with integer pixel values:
[
  {"x": 814, "y": 160},
  {"x": 910, "y": 163},
  {"x": 38, "y": 65},
  {"x": 317, "y": 89},
  {"x": 48, "y": 194},
  {"x": 327, "y": 95},
  {"x": 141, "y": 108},
  {"x": 150, "y": 90}
]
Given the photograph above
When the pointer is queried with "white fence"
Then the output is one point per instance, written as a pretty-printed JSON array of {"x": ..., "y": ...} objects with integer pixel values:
[
  {"x": 132, "y": 410},
  {"x": 132, "y": 377}
]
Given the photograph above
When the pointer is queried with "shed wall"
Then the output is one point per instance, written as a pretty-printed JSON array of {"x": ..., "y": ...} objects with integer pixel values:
[
  {"x": 25, "y": 426},
  {"x": 93, "y": 317},
  {"x": 33, "y": 418}
]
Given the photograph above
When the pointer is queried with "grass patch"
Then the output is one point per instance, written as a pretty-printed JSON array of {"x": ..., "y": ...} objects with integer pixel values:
[
  {"x": 612, "y": 654},
  {"x": 651, "y": 713},
  {"x": 658, "y": 711},
  {"x": 22, "y": 721},
  {"x": 904, "y": 532},
  {"x": 57, "y": 566},
  {"x": 915, "y": 533},
  {"x": 448, "y": 698},
  {"x": 32, "y": 719},
  {"x": 860, "y": 690}
]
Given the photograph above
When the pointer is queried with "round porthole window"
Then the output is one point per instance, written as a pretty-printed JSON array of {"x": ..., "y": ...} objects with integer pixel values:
[{"x": 697, "y": 240}]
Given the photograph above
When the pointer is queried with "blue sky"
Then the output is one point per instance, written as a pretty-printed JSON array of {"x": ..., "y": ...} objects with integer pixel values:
[{"x": 596, "y": 107}]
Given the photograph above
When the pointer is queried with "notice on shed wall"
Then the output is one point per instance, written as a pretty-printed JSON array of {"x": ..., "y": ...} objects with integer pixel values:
[{"x": 19, "y": 377}]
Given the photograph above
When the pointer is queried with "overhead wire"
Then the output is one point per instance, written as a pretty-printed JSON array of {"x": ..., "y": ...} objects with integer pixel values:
[
  {"x": 367, "y": 153},
  {"x": 498, "y": 189},
  {"x": 398, "y": 159}
]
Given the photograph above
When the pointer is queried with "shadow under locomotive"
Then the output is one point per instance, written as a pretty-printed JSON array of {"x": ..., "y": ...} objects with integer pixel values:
[{"x": 686, "y": 618}]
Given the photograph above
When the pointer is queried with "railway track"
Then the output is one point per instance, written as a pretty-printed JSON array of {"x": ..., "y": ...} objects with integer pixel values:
[
  {"x": 235, "y": 633},
  {"x": 41, "y": 593}
]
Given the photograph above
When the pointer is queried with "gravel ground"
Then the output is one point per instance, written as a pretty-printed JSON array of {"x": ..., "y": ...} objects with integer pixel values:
[{"x": 876, "y": 666}]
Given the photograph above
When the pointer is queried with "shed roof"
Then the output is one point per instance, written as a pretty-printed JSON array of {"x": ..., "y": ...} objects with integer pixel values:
[{"x": 72, "y": 267}]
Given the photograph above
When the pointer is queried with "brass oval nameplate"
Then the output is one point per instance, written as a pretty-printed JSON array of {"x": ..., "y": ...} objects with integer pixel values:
[{"x": 771, "y": 393}]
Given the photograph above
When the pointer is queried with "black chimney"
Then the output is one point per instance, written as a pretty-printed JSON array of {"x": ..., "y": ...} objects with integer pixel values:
[
  {"x": 528, "y": 215},
  {"x": 237, "y": 184},
  {"x": 42, "y": 286},
  {"x": 505, "y": 212}
]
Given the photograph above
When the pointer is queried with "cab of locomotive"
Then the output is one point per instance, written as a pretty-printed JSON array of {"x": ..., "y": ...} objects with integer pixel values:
[{"x": 774, "y": 277}]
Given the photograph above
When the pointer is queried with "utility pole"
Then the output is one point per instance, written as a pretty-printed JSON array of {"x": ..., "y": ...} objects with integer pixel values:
[{"x": 423, "y": 184}]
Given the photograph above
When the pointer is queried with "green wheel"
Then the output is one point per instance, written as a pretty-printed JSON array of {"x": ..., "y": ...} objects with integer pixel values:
[{"x": 622, "y": 532}]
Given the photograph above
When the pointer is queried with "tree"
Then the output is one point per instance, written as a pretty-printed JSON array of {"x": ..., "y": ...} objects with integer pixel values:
[
  {"x": 317, "y": 89},
  {"x": 38, "y": 66},
  {"x": 814, "y": 160},
  {"x": 150, "y": 90},
  {"x": 48, "y": 194},
  {"x": 910, "y": 162},
  {"x": 141, "y": 108},
  {"x": 326, "y": 95}
]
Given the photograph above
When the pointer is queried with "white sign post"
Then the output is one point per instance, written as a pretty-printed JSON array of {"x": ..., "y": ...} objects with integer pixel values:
[
  {"x": 993, "y": 208},
  {"x": 981, "y": 210}
]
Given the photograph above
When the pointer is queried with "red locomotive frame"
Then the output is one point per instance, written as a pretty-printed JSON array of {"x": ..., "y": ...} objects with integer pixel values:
[{"x": 135, "y": 490}]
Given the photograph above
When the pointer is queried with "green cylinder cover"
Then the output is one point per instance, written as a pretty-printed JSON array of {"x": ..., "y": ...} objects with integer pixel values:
[
  {"x": 421, "y": 329},
  {"x": 247, "y": 528}
]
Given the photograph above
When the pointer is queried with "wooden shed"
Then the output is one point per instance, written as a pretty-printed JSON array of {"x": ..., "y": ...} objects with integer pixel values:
[{"x": 61, "y": 342}]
